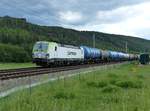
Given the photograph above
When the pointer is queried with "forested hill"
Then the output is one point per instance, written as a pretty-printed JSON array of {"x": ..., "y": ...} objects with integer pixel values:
[{"x": 17, "y": 37}]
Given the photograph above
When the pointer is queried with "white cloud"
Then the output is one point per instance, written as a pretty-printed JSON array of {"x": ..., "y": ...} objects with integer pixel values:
[
  {"x": 133, "y": 25},
  {"x": 70, "y": 17},
  {"x": 116, "y": 15},
  {"x": 135, "y": 21}
]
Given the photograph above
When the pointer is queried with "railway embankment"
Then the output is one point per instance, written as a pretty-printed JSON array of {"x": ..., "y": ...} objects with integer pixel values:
[{"x": 11, "y": 85}]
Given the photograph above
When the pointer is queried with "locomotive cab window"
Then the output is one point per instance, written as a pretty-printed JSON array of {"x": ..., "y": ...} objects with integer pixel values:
[{"x": 41, "y": 46}]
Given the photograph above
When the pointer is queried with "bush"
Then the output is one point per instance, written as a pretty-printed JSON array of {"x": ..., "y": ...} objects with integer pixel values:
[
  {"x": 129, "y": 84},
  {"x": 110, "y": 88},
  {"x": 63, "y": 95},
  {"x": 140, "y": 76},
  {"x": 97, "y": 84},
  {"x": 112, "y": 75},
  {"x": 113, "y": 81},
  {"x": 11, "y": 53}
]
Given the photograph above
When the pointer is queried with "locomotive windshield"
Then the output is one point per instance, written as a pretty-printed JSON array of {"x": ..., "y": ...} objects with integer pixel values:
[{"x": 41, "y": 46}]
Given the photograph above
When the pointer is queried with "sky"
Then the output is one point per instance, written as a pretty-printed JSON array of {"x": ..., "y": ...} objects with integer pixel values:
[{"x": 126, "y": 17}]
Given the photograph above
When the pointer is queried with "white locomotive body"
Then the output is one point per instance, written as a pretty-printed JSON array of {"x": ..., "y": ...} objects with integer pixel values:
[{"x": 54, "y": 53}]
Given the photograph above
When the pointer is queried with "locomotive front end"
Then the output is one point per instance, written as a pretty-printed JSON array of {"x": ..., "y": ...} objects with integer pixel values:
[{"x": 40, "y": 53}]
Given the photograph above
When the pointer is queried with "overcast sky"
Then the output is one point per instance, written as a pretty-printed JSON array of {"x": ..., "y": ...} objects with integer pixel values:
[{"x": 127, "y": 17}]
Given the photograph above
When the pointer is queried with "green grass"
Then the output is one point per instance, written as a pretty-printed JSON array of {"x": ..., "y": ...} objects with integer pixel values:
[
  {"x": 15, "y": 65},
  {"x": 125, "y": 88}
]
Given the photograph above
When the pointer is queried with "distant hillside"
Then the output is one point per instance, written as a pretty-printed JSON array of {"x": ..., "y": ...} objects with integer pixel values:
[{"x": 18, "y": 33}]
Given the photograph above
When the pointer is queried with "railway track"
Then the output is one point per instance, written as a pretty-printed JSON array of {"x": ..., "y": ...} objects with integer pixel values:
[{"x": 33, "y": 71}]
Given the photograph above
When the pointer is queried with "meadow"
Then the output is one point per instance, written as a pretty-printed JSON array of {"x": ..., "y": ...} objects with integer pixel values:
[
  {"x": 15, "y": 65},
  {"x": 124, "y": 88}
]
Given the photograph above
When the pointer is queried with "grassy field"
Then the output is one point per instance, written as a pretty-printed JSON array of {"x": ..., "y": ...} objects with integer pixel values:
[
  {"x": 15, "y": 65},
  {"x": 125, "y": 88}
]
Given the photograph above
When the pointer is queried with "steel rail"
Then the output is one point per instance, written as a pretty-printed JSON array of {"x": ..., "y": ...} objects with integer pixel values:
[{"x": 23, "y": 72}]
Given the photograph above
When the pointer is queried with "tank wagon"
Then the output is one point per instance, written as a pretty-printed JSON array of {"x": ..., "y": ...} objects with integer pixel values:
[
  {"x": 91, "y": 54},
  {"x": 114, "y": 56},
  {"x": 118, "y": 56},
  {"x": 105, "y": 55},
  {"x": 52, "y": 53}
]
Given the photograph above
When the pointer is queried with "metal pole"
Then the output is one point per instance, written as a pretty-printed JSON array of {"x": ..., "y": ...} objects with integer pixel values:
[
  {"x": 93, "y": 40},
  {"x": 126, "y": 47},
  {"x": 30, "y": 85}
]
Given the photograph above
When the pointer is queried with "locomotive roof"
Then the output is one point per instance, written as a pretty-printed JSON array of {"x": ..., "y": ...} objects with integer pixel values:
[{"x": 69, "y": 46}]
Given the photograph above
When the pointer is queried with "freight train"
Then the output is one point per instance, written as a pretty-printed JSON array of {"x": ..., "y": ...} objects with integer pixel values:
[{"x": 52, "y": 53}]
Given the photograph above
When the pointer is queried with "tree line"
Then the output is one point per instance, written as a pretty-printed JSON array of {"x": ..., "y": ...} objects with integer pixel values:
[{"x": 17, "y": 38}]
